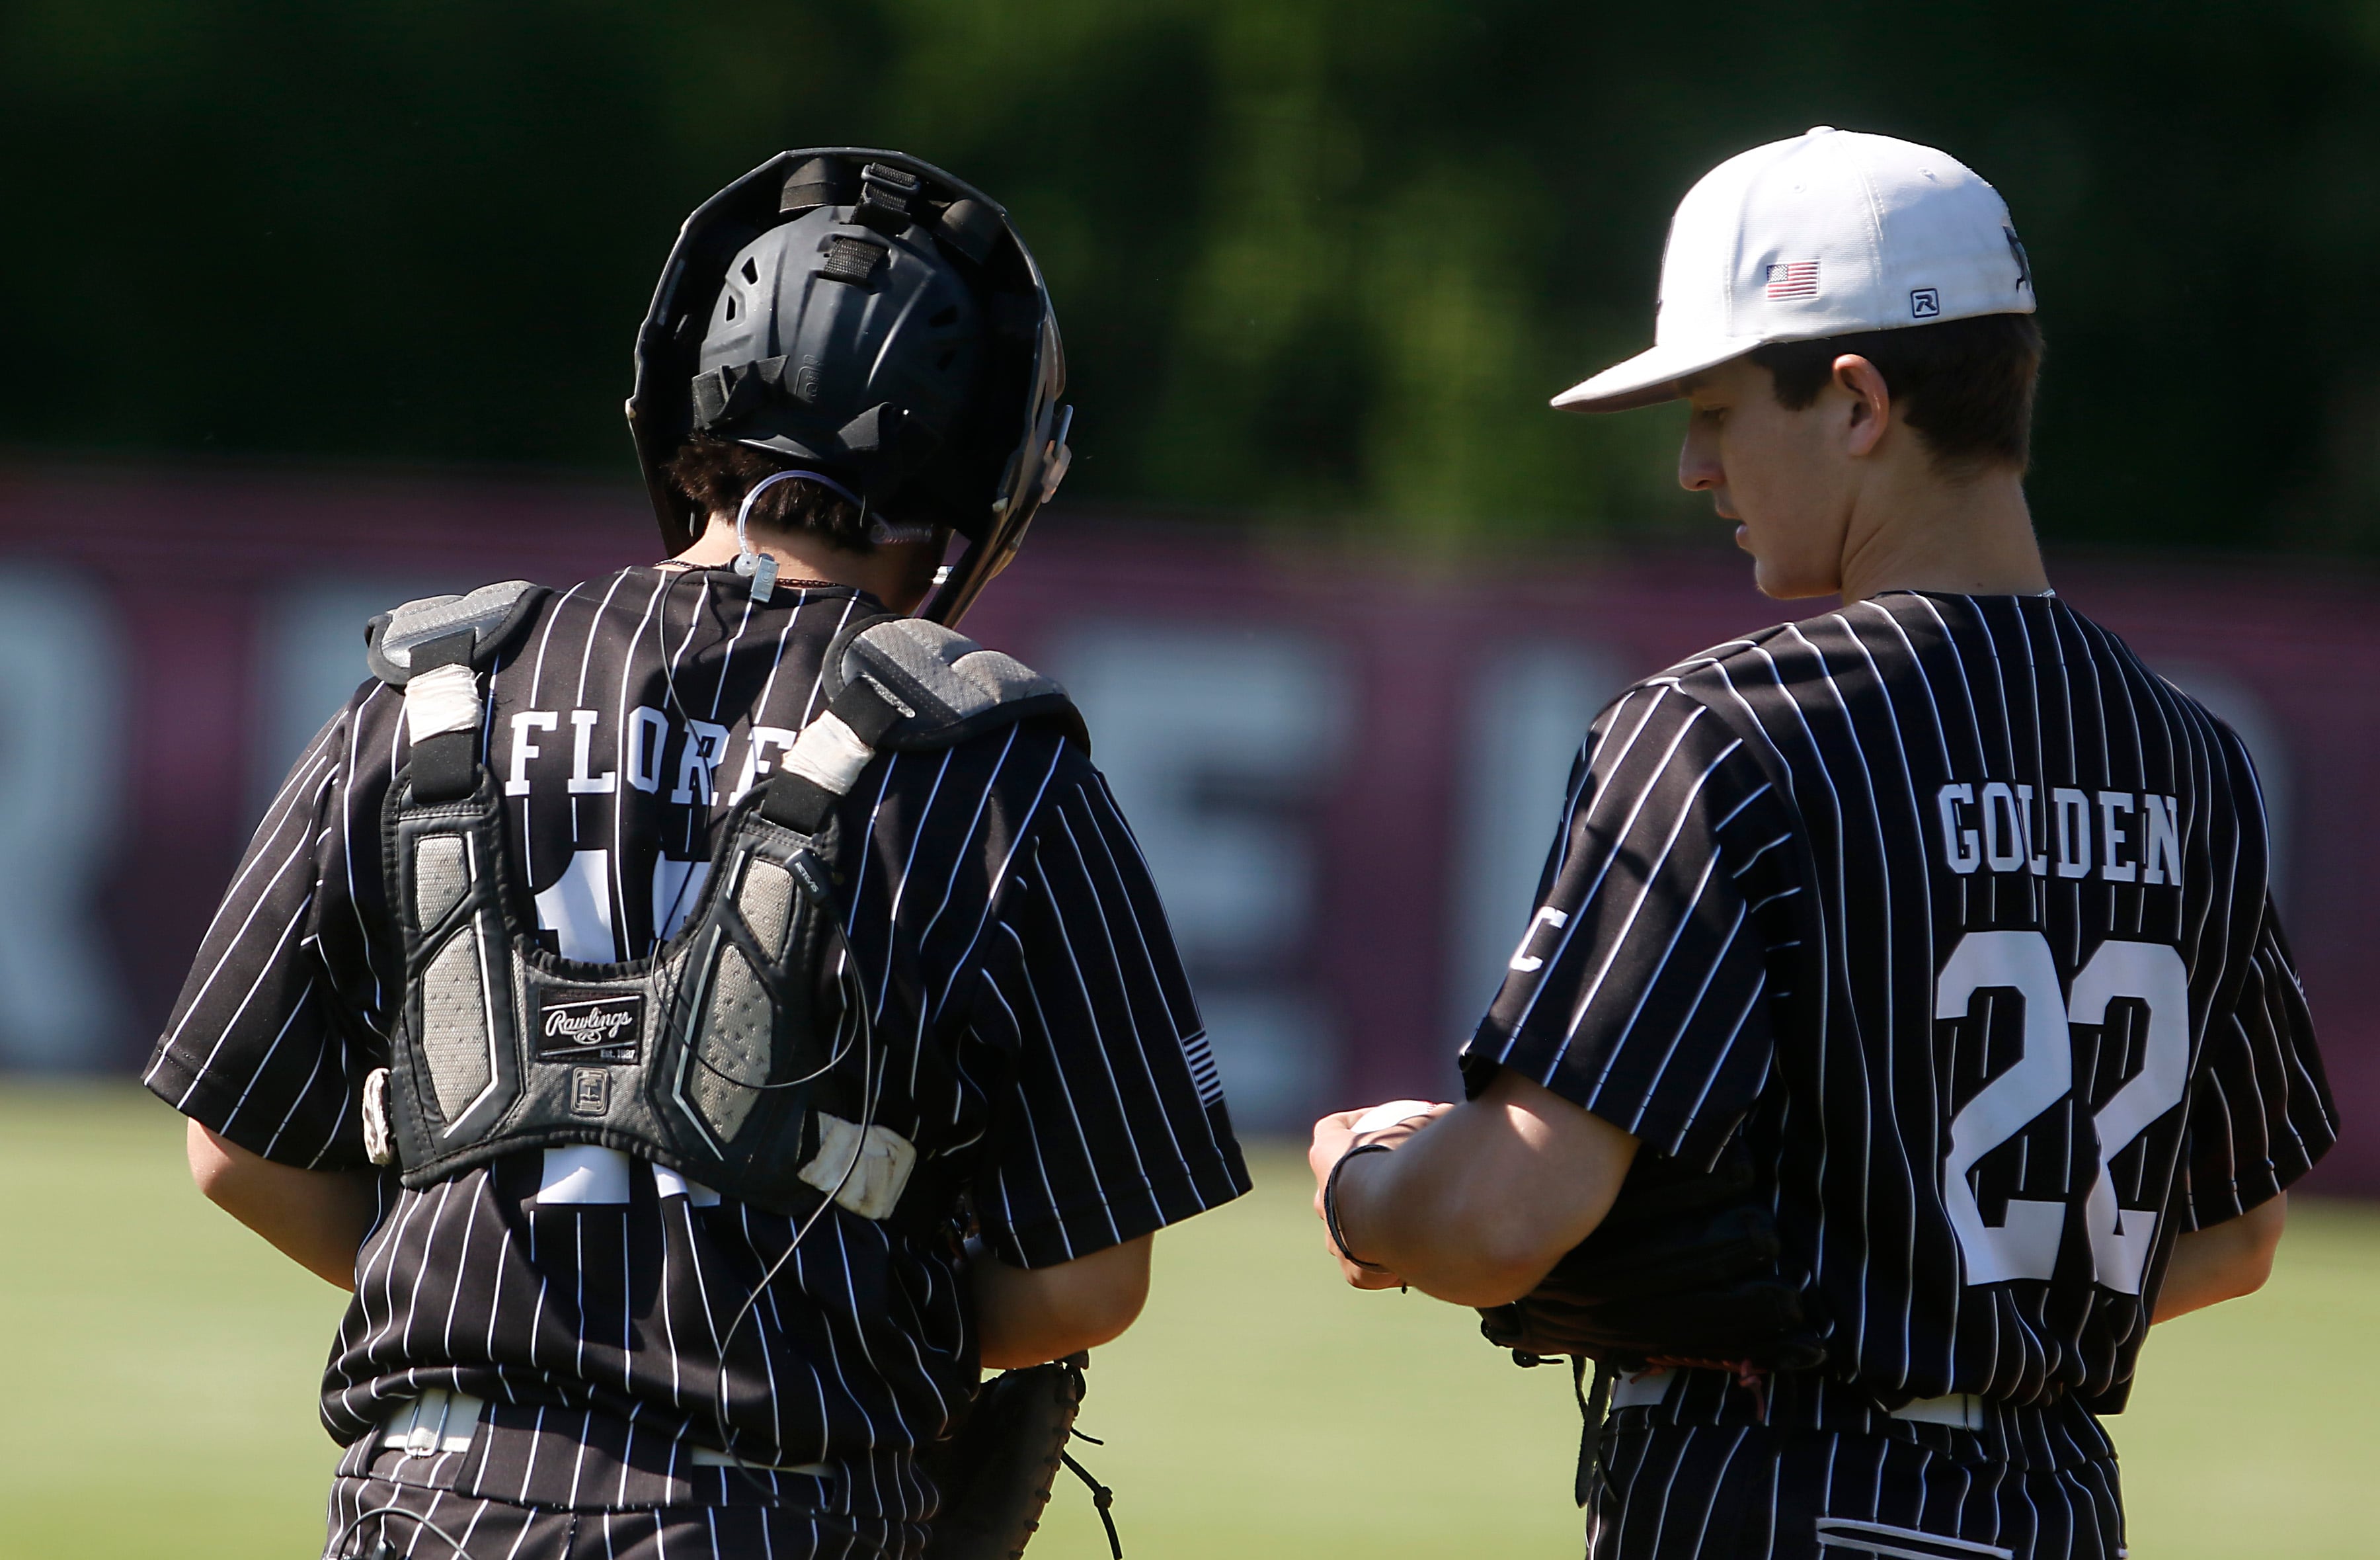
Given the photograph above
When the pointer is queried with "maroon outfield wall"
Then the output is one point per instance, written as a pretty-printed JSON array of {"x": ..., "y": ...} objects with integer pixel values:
[{"x": 1344, "y": 772}]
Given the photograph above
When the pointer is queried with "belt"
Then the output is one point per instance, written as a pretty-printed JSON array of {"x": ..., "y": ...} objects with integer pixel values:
[
  {"x": 1961, "y": 1410},
  {"x": 706, "y": 1457},
  {"x": 436, "y": 1421},
  {"x": 440, "y": 1421}
]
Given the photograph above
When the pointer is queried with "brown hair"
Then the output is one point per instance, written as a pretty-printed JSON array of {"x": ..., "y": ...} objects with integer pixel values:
[
  {"x": 1965, "y": 384},
  {"x": 715, "y": 474}
]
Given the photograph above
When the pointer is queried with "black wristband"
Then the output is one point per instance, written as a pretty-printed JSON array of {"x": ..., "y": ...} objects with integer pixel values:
[{"x": 1330, "y": 1204}]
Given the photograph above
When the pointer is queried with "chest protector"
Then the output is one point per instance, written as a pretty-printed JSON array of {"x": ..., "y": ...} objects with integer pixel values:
[{"x": 739, "y": 1054}]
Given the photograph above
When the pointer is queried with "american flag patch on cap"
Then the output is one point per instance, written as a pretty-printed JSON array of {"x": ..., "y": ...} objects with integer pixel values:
[{"x": 1794, "y": 279}]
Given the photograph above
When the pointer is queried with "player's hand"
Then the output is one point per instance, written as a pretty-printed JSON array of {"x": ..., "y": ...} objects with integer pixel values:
[
  {"x": 1335, "y": 1134},
  {"x": 1391, "y": 1124},
  {"x": 1362, "y": 1277}
]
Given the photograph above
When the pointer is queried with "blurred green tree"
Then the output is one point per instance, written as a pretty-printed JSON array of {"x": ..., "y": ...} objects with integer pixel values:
[{"x": 1314, "y": 257}]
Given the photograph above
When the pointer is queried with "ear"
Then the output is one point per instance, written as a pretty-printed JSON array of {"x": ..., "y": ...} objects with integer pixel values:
[{"x": 1871, "y": 402}]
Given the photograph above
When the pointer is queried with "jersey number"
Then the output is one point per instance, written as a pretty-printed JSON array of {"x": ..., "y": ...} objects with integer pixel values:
[{"x": 2024, "y": 1244}]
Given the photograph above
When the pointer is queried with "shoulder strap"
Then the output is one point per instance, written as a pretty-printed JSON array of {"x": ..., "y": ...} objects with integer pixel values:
[
  {"x": 433, "y": 649},
  {"x": 491, "y": 615},
  {"x": 905, "y": 684},
  {"x": 441, "y": 719}
]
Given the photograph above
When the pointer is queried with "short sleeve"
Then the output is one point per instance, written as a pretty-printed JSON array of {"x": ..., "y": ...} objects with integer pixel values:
[
  {"x": 1114, "y": 1124},
  {"x": 1639, "y": 991},
  {"x": 2261, "y": 1112},
  {"x": 254, "y": 1050}
]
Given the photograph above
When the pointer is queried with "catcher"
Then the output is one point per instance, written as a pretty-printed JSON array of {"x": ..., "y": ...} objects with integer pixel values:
[
  {"x": 707, "y": 1013},
  {"x": 1904, "y": 1023}
]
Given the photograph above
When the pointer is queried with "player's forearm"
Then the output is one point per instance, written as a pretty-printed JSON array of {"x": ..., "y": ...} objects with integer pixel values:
[
  {"x": 1024, "y": 1316},
  {"x": 317, "y": 1218},
  {"x": 1477, "y": 1207},
  {"x": 1425, "y": 1221},
  {"x": 2222, "y": 1261}
]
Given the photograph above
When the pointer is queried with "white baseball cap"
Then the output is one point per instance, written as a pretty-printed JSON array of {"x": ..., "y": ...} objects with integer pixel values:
[{"x": 1826, "y": 233}]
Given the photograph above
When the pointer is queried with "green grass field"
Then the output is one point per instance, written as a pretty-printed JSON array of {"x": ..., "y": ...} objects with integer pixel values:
[{"x": 160, "y": 1366}]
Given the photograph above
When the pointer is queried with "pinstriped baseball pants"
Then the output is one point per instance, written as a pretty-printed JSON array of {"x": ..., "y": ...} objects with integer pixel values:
[
  {"x": 477, "y": 1528},
  {"x": 545, "y": 1483},
  {"x": 1757, "y": 1493}
]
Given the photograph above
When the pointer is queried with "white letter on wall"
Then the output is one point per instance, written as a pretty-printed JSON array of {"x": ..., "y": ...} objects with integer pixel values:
[{"x": 61, "y": 714}]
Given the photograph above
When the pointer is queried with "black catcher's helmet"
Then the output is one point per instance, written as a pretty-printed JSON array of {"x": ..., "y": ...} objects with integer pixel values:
[{"x": 876, "y": 319}]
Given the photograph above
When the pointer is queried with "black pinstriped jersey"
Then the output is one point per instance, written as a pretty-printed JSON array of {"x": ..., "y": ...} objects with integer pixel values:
[
  {"x": 999, "y": 916},
  {"x": 1959, "y": 915}
]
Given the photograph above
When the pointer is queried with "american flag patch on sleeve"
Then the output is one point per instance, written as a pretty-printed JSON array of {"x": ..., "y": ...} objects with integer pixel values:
[{"x": 1797, "y": 278}]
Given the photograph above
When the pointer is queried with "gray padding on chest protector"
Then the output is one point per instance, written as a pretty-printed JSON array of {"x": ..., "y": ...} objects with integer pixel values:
[
  {"x": 767, "y": 903},
  {"x": 737, "y": 1046},
  {"x": 491, "y": 613},
  {"x": 455, "y": 1025},
  {"x": 938, "y": 688},
  {"x": 440, "y": 876}
]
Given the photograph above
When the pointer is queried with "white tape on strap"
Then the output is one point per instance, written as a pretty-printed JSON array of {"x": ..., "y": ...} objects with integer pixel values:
[
  {"x": 380, "y": 1142},
  {"x": 829, "y": 754},
  {"x": 441, "y": 699},
  {"x": 865, "y": 1171}
]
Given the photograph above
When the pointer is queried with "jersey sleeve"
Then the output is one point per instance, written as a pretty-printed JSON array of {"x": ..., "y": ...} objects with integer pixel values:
[
  {"x": 2261, "y": 1112},
  {"x": 1639, "y": 991},
  {"x": 1114, "y": 1124},
  {"x": 254, "y": 1048}
]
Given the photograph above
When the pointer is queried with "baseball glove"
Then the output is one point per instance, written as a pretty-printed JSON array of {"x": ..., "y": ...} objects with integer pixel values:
[
  {"x": 996, "y": 1468},
  {"x": 1683, "y": 1271}
]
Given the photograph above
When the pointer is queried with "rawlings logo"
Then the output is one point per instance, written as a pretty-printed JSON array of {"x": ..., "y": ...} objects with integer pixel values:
[
  {"x": 595, "y": 1026},
  {"x": 584, "y": 1026}
]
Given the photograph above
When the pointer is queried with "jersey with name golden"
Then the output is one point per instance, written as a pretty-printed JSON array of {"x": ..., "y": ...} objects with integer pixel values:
[
  {"x": 1996, "y": 825},
  {"x": 1958, "y": 918}
]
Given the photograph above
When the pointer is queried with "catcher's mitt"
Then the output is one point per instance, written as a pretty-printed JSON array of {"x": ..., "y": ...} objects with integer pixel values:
[
  {"x": 1683, "y": 1271},
  {"x": 996, "y": 1468}
]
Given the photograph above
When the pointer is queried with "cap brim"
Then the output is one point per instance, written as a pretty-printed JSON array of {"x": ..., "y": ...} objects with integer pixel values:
[{"x": 1652, "y": 376}]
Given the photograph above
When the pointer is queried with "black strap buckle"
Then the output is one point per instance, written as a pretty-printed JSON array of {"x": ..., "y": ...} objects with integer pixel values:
[{"x": 887, "y": 197}]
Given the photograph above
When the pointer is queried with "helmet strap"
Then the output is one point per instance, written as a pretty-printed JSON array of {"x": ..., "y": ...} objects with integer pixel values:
[{"x": 884, "y": 533}]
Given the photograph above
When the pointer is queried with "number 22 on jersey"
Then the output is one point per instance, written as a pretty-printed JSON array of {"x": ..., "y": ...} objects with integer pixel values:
[{"x": 2024, "y": 1244}]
